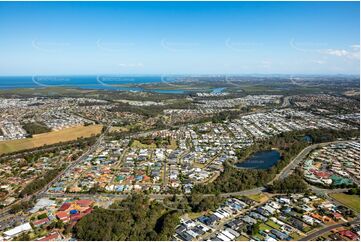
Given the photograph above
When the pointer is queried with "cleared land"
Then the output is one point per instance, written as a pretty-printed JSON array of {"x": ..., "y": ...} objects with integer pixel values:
[
  {"x": 351, "y": 201},
  {"x": 258, "y": 197},
  {"x": 118, "y": 129},
  {"x": 49, "y": 138},
  {"x": 139, "y": 145}
]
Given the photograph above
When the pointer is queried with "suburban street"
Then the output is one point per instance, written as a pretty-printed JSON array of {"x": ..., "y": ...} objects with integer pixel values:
[
  {"x": 327, "y": 229},
  {"x": 283, "y": 174},
  {"x": 297, "y": 160}
]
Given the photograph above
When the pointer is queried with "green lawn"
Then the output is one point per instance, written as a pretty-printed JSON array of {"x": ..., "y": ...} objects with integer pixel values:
[
  {"x": 258, "y": 197},
  {"x": 272, "y": 224},
  {"x": 295, "y": 236},
  {"x": 264, "y": 227},
  {"x": 351, "y": 201},
  {"x": 139, "y": 145},
  {"x": 242, "y": 238}
]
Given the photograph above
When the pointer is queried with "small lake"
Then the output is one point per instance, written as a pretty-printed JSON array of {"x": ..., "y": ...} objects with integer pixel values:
[{"x": 261, "y": 160}]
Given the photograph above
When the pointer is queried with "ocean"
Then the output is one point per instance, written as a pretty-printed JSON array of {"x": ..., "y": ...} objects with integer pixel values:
[{"x": 84, "y": 82}]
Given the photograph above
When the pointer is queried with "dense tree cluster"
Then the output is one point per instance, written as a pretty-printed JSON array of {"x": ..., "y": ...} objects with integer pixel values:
[
  {"x": 326, "y": 135},
  {"x": 135, "y": 218},
  {"x": 198, "y": 203},
  {"x": 354, "y": 191},
  {"x": 40, "y": 182},
  {"x": 23, "y": 205},
  {"x": 294, "y": 183},
  {"x": 158, "y": 141},
  {"x": 36, "y": 128},
  {"x": 152, "y": 110}
]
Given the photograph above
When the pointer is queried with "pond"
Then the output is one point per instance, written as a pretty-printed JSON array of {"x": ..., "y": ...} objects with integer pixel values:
[{"x": 261, "y": 160}]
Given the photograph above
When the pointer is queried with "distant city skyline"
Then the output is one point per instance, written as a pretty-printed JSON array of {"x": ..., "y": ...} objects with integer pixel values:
[{"x": 155, "y": 38}]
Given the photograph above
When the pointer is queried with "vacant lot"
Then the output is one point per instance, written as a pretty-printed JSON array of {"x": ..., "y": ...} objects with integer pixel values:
[
  {"x": 118, "y": 129},
  {"x": 351, "y": 201},
  {"x": 137, "y": 144},
  {"x": 53, "y": 137},
  {"x": 258, "y": 197}
]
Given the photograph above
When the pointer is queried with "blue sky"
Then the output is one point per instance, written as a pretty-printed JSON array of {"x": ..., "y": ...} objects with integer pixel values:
[{"x": 179, "y": 38}]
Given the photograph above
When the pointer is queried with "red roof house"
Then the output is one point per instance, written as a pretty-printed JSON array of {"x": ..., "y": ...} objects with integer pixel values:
[
  {"x": 64, "y": 207},
  {"x": 349, "y": 234},
  {"x": 336, "y": 215},
  {"x": 321, "y": 174},
  {"x": 76, "y": 217},
  {"x": 49, "y": 237},
  {"x": 63, "y": 216},
  {"x": 84, "y": 203},
  {"x": 41, "y": 222}
]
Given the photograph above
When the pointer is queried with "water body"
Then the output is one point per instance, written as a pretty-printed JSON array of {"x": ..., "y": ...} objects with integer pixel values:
[
  {"x": 261, "y": 160},
  {"x": 84, "y": 82},
  {"x": 91, "y": 82}
]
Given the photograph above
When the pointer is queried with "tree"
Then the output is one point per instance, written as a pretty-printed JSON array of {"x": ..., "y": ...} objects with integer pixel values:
[
  {"x": 135, "y": 218},
  {"x": 291, "y": 184},
  {"x": 255, "y": 228}
]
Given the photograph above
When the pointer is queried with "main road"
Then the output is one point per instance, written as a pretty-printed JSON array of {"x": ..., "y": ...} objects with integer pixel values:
[
  {"x": 42, "y": 193},
  {"x": 79, "y": 160}
]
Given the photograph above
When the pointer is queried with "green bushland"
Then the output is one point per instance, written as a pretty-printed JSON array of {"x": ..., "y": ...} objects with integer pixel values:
[
  {"x": 36, "y": 128},
  {"x": 15, "y": 208},
  {"x": 135, "y": 218},
  {"x": 294, "y": 183},
  {"x": 40, "y": 182}
]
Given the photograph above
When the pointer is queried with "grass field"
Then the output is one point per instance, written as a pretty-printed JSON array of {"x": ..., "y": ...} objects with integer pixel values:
[
  {"x": 242, "y": 238},
  {"x": 118, "y": 129},
  {"x": 351, "y": 201},
  {"x": 272, "y": 224},
  {"x": 295, "y": 236},
  {"x": 193, "y": 215},
  {"x": 137, "y": 144},
  {"x": 173, "y": 144},
  {"x": 264, "y": 227},
  {"x": 258, "y": 197},
  {"x": 49, "y": 138}
]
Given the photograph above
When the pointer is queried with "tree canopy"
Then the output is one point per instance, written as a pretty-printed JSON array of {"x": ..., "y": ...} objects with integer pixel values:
[{"x": 135, "y": 218}]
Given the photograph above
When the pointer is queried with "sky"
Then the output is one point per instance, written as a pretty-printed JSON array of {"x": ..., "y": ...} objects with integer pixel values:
[{"x": 86, "y": 38}]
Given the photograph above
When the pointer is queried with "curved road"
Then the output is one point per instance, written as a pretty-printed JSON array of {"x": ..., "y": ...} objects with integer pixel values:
[
  {"x": 320, "y": 232},
  {"x": 297, "y": 160}
]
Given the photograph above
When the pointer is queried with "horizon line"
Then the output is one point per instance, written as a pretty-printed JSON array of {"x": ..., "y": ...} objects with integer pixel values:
[{"x": 188, "y": 74}]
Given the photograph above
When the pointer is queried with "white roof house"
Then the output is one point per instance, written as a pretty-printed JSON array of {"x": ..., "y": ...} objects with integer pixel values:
[
  {"x": 42, "y": 203},
  {"x": 17, "y": 230}
]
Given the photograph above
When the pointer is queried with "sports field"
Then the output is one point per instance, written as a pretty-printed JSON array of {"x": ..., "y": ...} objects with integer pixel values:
[
  {"x": 49, "y": 138},
  {"x": 351, "y": 201}
]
